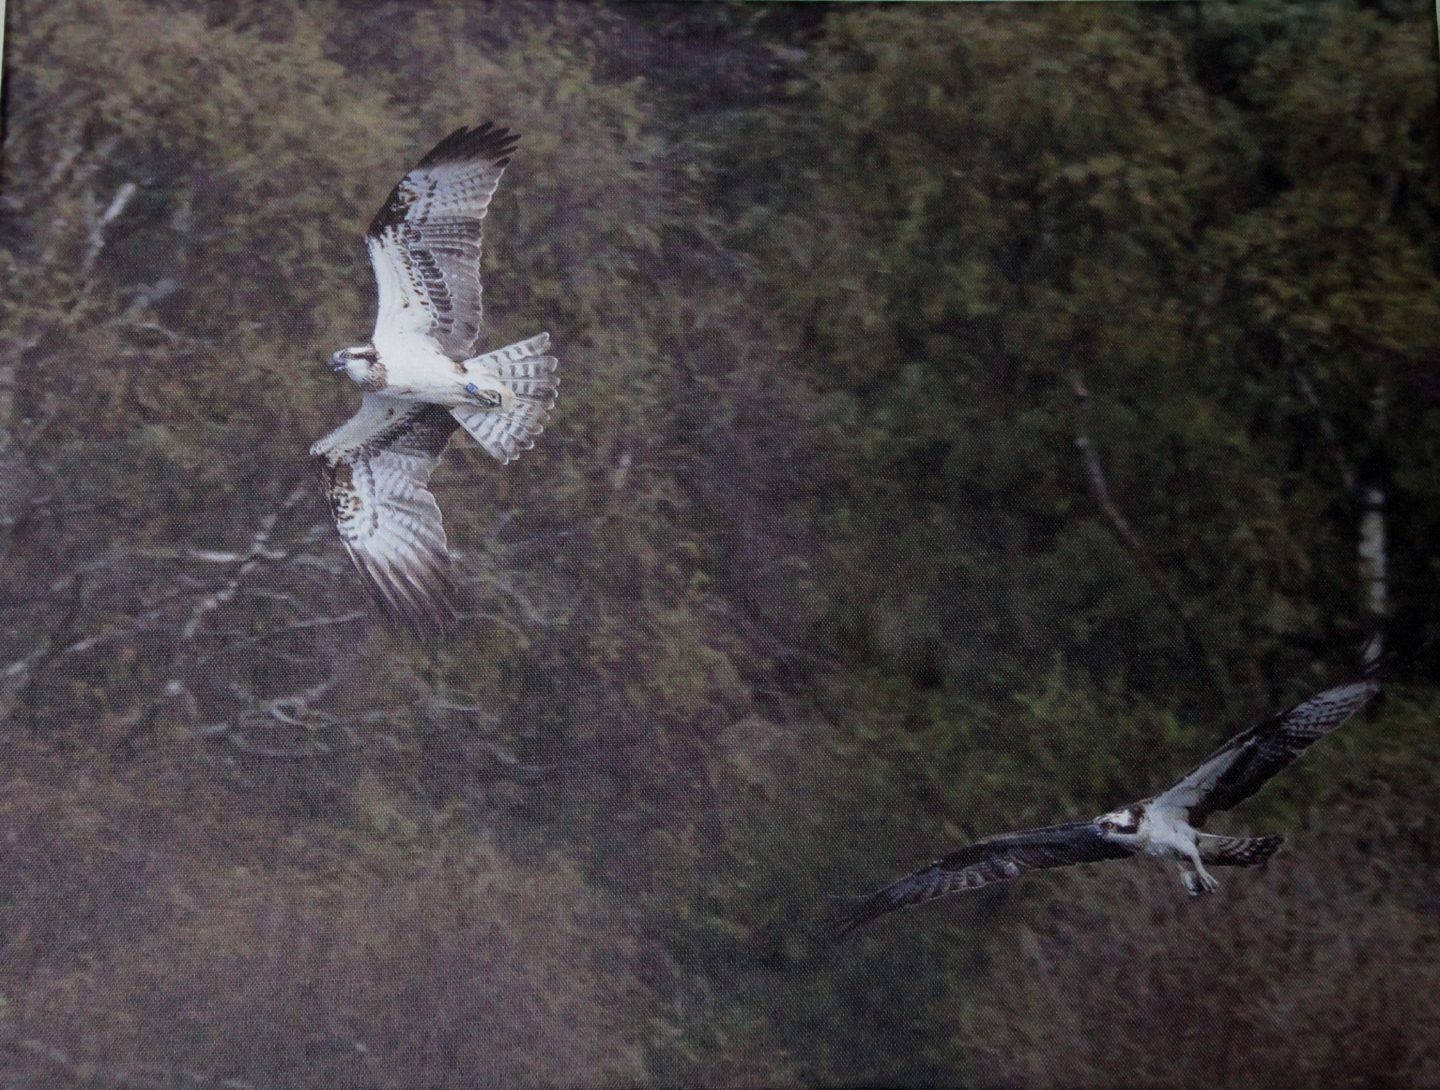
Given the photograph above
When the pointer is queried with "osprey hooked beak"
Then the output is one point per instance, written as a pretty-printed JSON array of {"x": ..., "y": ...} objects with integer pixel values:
[{"x": 340, "y": 360}]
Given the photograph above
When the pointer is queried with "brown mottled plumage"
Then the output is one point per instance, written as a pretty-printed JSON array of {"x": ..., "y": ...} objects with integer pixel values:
[{"x": 375, "y": 469}]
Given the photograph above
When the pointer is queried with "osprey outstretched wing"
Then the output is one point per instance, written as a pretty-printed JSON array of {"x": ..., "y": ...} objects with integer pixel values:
[
  {"x": 425, "y": 241},
  {"x": 376, "y": 468},
  {"x": 422, "y": 380},
  {"x": 1247, "y": 761},
  {"x": 994, "y": 859}
]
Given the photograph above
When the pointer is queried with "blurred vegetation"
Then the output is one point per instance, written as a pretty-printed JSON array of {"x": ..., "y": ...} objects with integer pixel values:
[{"x": 970, "y": 415}]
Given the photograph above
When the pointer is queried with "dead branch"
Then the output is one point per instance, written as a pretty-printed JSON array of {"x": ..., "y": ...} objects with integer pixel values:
[
  {"x": 1368, "y": 496},
  {"x": 257, "y": 553},
  {"x": 493, "y": 578},
  {"x": 1100, "y": 490},
  {"x": 100, "y": 223},
  {"x": 20, "y": 674},
  {"x": 250, "y": 748},
  {"x": 1149, "y": 568},
  {"x": 241, "y": 639},
  {"x": 292, "y": 711}
]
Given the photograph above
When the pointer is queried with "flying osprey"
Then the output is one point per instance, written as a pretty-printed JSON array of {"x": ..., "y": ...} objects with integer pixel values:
[
  {"x": 423, "y": 380},
  {"x": 1166, "y": 825}
]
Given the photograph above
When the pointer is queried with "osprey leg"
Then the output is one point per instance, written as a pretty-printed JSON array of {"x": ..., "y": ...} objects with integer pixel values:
[
  {"x": 492, "y": 396},
  {"x": 528, "y": 380},
  {"x": 522, "y": 368},
  {"x": 1193, "y": 874}
]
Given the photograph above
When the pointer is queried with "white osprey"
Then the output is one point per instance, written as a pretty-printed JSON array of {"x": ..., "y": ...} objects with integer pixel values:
[
  {"x": 422, "y": 378},
  {"x": 1166, "y": 825}
]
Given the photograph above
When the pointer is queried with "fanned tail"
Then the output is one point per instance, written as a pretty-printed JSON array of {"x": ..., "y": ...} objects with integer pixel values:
[
  {"x": 1238, "y": 851},
  {"x": 530, "y": 376}
]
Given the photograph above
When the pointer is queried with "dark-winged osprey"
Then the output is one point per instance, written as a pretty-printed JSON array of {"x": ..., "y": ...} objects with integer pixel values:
[
  {"x": 423, "y": 380},
  {"x": 1166, "y": 825}
]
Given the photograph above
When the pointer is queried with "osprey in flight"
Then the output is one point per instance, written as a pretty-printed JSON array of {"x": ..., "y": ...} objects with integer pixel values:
[
  {"x": 1166, "y": 825},
  {"x": 423, "y": 379}
]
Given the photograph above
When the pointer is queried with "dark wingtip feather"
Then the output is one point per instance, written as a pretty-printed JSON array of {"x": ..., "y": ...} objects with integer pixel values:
[
  {"x": 462, "y": 145},
  {"x": 842, "y": 930},
  {"x": 1268, "y": 846},
  {"x": 483, "y": 142},
  {"x": 839, "y": 930},
  {"x": 867, "y": 907},
  {"x": 420, "y": 600}
]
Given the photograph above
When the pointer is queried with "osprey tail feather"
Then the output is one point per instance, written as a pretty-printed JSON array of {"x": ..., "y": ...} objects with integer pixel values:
[
  {"x": 1238, "y": 851},
  {"x": 529, "y": 375},
  {"x": 522, "y": 366}
]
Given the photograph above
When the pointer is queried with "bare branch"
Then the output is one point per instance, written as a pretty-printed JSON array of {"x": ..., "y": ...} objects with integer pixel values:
[
  {"x": 100, "y": 223},
  {"x": 1145, "y": 560},
  {"x": 253, "y": 556},
  {"x": 308, "y": 624},
  {"x": 494, "y": 578}
]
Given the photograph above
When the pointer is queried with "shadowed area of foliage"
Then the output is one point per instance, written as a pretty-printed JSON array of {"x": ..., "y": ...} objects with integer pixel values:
[
  {"x": 153, "y": 938},
  {"x": 969, "y": 415}
]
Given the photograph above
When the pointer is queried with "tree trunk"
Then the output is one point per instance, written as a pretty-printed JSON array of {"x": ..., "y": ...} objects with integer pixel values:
[{"x": 1372, "y": 550}]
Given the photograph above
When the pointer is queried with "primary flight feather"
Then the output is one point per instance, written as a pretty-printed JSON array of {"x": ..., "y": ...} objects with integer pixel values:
[{"x": 423, "y": 380}]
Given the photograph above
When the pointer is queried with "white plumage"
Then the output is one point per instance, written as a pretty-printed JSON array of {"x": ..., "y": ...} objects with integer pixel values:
[{"x": 422, "y": 378}]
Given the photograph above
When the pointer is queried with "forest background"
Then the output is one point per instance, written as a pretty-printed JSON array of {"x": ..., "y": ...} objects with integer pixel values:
[{"x": 970, "y": 415}]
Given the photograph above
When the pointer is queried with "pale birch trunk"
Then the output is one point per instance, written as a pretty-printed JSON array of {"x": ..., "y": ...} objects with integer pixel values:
[{"x": 1373, "y": 554}]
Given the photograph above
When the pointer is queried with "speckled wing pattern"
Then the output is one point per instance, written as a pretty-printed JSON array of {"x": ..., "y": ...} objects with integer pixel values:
[
  {"x": 1244, "y": 764},
  {"x": 375, "y": 469},
  {"x": 425, "y": 241},
  {"x": 994, "y": 859}
]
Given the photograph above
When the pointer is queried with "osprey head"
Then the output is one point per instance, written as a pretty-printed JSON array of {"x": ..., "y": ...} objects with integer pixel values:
[
  {"x": 358, "y": 363},
  {"x": 1125, "y": 821}
]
